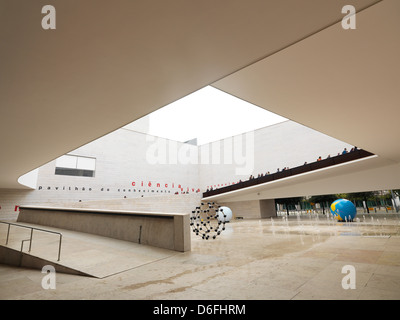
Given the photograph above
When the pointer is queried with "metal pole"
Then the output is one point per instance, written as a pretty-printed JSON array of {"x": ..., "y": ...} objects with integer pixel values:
[
  {"x": 30, "y": 242},
  {"x": 8, "y": 232},
  {"x": 394, "y": 201},
  {"x": 140, "y": 235},
  {"x": 59, "y": 248}
]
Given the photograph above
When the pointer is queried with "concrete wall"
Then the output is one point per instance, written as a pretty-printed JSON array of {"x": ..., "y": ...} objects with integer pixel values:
[
  {"x": 133, "y": 165},
  {"x": 267, "y": 208},
  {"x": 180, "y": 203},
  {"x": 129, "y": 165},
  {"x": 169, "y": 231},
  {"x": 252, "y": 209},
  {"x": 287, "y": 144}
]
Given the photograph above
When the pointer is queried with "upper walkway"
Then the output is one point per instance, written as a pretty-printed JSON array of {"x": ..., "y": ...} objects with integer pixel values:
[{"x": 324, "y": 163}]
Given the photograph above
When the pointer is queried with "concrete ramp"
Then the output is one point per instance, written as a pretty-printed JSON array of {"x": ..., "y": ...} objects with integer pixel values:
[
  {"x": 17, "y": 258},
  {"x": 81, "y": 253}
]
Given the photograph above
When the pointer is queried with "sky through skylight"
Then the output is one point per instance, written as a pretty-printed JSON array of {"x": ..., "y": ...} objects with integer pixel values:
[{"x": 208, "y": 114}]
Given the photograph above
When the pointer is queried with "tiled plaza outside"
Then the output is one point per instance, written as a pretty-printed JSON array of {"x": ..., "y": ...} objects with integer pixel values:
[{"x": 300, "y": 257}]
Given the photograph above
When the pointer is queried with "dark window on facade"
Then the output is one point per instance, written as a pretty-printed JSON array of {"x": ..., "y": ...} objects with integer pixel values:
[
  {"x": 70, "y": 165},
  {"x": 74, "y": 172}
]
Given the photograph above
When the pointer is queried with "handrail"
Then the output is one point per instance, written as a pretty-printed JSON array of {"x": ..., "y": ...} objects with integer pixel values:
[
  {"x": 339, "y": 159},
  {"x": 30, "y": 239}
]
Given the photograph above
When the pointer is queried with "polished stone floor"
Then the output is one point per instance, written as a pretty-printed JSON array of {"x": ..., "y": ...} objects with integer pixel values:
[{"x": 300, "y": 257}]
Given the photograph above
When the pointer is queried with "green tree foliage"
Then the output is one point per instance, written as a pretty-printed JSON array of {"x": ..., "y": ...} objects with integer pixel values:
[
  {"x": 324, "y": 200},
  {"x": 396, "y": 192},
  {"x": 289, "y": 202},
  {"x": 361, "y": 196},
  {"x": 364, "y": 196}
]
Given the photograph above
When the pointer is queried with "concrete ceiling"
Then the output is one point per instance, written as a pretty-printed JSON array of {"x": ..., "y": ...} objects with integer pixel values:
[
  {"x": 109, "y": 63},
  {"x": 344, "y": 83}
]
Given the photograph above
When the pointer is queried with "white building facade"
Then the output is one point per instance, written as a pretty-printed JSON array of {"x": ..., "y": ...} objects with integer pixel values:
[{"x": 128, "y": 164}]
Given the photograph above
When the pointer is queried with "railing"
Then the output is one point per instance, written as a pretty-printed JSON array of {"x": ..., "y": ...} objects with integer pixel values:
[
  {"x": 350, "y": 156},
  {"x": 31, "y": 236}
]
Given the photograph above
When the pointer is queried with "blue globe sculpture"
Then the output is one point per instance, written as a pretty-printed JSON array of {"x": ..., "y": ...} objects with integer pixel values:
[{"x": 343, "y": 210}]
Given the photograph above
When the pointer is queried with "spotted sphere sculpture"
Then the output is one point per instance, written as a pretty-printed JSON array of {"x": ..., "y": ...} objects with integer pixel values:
[
  {"x": 207, "y": 221},
  {"x": 224, "y": 214},
  {"x": 343, "y": 210}
]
